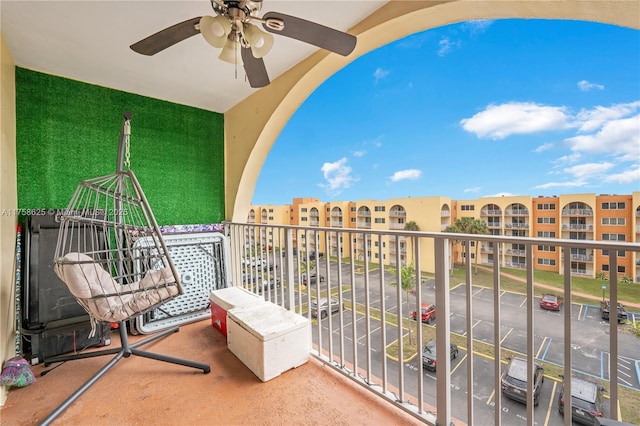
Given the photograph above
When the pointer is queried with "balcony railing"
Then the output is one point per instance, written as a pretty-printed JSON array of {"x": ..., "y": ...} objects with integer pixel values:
[
  {"x": 397, "y": 213},
  {"x": 577, "y": 227},
  {"x": 577, "y": 212},
  {"x": 516, "y": 212},
  {"x": 367, "y": 340}
]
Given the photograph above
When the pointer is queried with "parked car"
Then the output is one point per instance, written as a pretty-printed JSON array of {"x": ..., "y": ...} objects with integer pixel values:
[
  {"x": 587, "y": 400},
  {"x": 429, "y": 354},
  {"x": 551, "y": 302},
  {"x": 313, "y": 279},
  {"x": 514, "y": 380},
  {"x": 604, "y": 307},
  {"x": 265, "y": 284},
  {"x": 324, "y": 307},
  {"x": 312, "y": 255},
  {"x": 428, "y": 313}
]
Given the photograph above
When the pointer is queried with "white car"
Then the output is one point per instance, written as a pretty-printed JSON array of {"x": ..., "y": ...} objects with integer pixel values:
[{"x": 324, "y": 303}]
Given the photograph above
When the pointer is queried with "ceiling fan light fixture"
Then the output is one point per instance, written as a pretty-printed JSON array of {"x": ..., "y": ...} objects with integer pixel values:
[
  {"x": 215, "y": 29},
  {"x": 260, "y": 41},
  {"x": 229, "y": 52}
]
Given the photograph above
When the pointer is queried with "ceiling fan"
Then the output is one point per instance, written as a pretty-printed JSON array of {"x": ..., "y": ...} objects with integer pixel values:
[{"x": 233, "y": 29}]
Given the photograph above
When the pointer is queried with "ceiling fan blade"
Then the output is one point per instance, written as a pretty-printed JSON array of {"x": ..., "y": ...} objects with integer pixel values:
[
  {"x": 167, "y": 37},
  {"x": 255, "y": 69},
  {"x": 313, "y": 33}
]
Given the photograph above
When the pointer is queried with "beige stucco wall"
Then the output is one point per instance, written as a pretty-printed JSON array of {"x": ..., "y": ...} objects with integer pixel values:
[
  {"x": 252, "y": 126},
  {"x": 8, "y": 201}
]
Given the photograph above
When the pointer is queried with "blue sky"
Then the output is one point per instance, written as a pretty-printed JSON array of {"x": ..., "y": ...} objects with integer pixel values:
[{"x": 483, "y": 108}]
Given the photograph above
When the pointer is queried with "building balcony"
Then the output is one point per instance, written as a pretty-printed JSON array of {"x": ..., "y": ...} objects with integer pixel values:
[
  {"x": 577, "y": 212},
  {"x": 517, "y": 225},
  {"x": 397, "y": 213},
  {"x": 362, "y": 368},
  {"x": 577, "y": 227},
  {"x": 393, "y": 225},
  {"x": 490, "y": 212},
  {"x": 516, "y": 212},
  {"x": 445, "y": 213},
  {"x": 336, "y": 223}
]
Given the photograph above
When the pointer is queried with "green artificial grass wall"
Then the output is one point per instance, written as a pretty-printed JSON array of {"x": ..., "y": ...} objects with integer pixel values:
[{"x": 68, "y": 131}]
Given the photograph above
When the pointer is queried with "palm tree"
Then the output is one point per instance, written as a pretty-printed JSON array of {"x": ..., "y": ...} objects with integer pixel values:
[
  {"x": 469, "y": 225},
  {"x": 407, "y": 284},
  {"x": 411, "y": 226}
]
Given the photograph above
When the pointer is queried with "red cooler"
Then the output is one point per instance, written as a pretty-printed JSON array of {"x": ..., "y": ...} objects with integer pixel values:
[{"x": 229, "y": 298}]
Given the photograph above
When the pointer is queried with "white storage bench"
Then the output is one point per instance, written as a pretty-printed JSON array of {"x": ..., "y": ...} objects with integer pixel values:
[{"x": 268, "y": 338}]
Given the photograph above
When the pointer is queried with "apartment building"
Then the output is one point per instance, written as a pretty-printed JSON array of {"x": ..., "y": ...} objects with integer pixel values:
[{"x": 569, "y": 216}]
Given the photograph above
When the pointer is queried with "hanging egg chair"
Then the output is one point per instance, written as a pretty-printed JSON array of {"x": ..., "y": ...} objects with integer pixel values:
[{"x": 113, "y": 278}]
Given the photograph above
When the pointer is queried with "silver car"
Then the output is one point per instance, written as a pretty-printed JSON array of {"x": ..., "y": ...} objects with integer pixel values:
[{"x": 324, "y": 304}]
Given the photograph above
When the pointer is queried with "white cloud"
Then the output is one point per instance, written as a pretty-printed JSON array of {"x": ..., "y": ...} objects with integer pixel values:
[
  {"x": 359, "y": 153},
  {"x": 585, "y": 86},
  {"x": 629, "y": 176},
  {"x": 446, "y": 45},
  {"x": 572, "y": 158},
  {"x": 500, "y": 121},
  {"x": 337, "y": 175},
  {"x": 588, "y": 170},
  {"x": 617, "y": 137},
  {"x": 477, "y": 26},
  {"x": 593, "y": 119},
  {"x": 499, "y": 194},
  {"x": 473, "y": 189},
  {"x": 411, "y": 174},
  {"x": 379, "y": 74},
  {"x": 544, "y": 147},
  {"x": 561, "y": 185}
]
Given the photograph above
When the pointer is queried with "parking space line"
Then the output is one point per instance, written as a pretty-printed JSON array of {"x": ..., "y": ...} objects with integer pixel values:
[
  {"x": 602, "y": 364},
  {"x": 541, "y": 346},
  {"x": 523, "y": 302},
  {"x": 544, "y": 354},
  {"x": 584, "y": 313},
  {"x": 493, "y": 392},
  {"x": 476, "y": 323},
  {"x": 458, "y": 365},
  {"x": 506, "y": 335},
  {"x": 580, "y": 313},
  {"x": 553, "y": 393},
  {"x": 478, "y": 292}
]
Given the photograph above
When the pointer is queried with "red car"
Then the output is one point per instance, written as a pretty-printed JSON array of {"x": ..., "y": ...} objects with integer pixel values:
[
  {"x": 550, "y": 302},
  {"x": 428, "y": 313}
]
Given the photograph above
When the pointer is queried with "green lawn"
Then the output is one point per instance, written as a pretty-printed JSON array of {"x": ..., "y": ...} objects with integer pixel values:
[{"x": 590, "y": 286}]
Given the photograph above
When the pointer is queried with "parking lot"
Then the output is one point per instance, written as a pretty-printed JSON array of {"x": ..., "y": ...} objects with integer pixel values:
[{"x": 590, "y": 355}]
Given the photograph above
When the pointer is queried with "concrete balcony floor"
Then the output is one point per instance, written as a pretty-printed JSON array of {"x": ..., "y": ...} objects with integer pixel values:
[{"x": 142, "y": 391}]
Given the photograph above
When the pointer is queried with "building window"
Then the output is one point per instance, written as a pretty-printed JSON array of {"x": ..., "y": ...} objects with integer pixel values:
[
  {"x": 621, "y": 269},
  {"x": 270, "y": 217},
  {"x": 547, "y": 220},
  {"x": 546, "y": 206},
  {"x": 546, "y": 234},
  {"x": 619, "y": 221},
  {"x": 549, "y": 262},
  {"x": 605, "y": 268},
  {"x": 613, "y": 237},
  {"x": 353, "y": 220},
  {"x": 379, "y": 220},
  {"x": 467, "y": 207},
  {"x": 379, "y": 208},
  {"x": 353, "y": 209},
  {"x": 613, "y": 206},
  {"x": 546, "y": 248},
  {"x": 303, "y": 209},
  {"x": 621, "y": 253}
]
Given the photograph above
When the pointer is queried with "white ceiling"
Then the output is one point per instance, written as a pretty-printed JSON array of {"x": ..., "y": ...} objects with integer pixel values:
[{"x": 89, "y": 41}]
